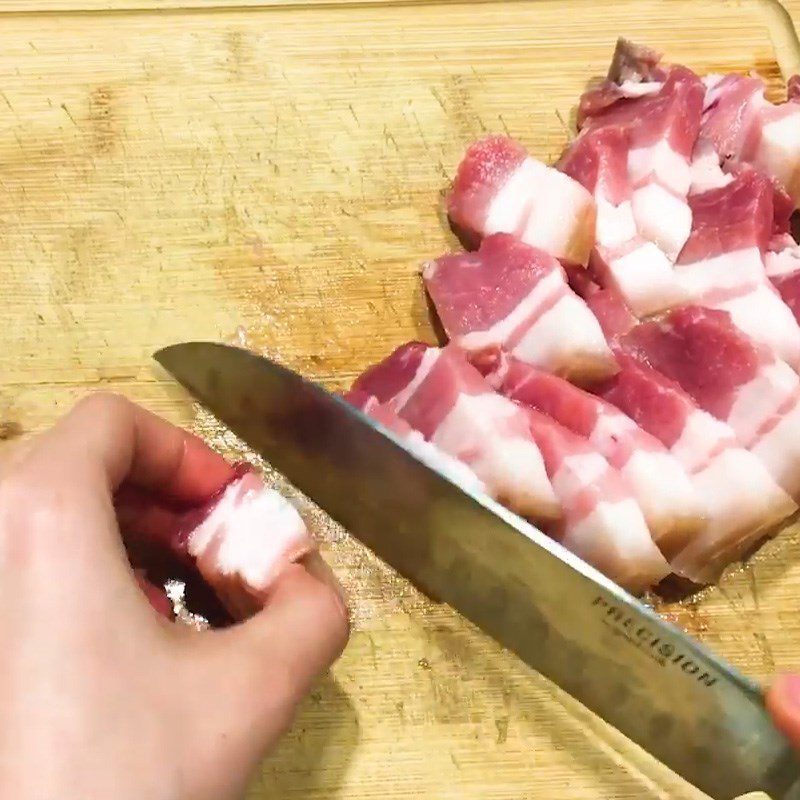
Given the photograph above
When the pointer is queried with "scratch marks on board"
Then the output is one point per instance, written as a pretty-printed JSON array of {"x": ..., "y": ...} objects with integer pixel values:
[
  {"x": 66, "y": 110},
  {"x": 102, "y": 119}
]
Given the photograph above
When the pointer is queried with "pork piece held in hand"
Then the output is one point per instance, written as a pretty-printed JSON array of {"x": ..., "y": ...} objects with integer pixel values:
[
  {"x": 511, "y": 297},
  {"x": 239, "y": 540},
  {"x": 661, "y": 486},
  {"x": 602, "y": 522},
  {"x": 437, "y": 392},
  {"x": 499, "y": 188},
  {"x": 746, "y": 128},
  {"x": 741, "y": 501}
]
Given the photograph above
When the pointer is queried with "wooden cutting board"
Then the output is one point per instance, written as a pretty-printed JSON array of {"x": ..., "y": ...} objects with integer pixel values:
[{"x": 180, "y": 170}]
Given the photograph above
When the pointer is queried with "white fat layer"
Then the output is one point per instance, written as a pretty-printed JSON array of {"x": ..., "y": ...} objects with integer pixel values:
[
  {"x": 609, "y": 431},
  {"x": 560, "y": 210},
  {"x": 640, "y": 88},
  {"x": 614, "y": 538},
  {"x": 758, "y": 400},
  {"x": 429, "y": 358},
  {"x": 578, "y": 471},
  {"x": 646, "y": 279},
  {"x": 725, "y": 271},
  {"x": 762, "y": 315},
  {"x": 741, "y": 500},
  {"x": 615, "y": 224},
  {"x": 669, "y": 168},
  {"x": 663, "y": 489},
  {"x": 253, "y": 529},
  {"x": 706, "y": 171},
  {"x": 478, "y": 429},
  {"x": 784, "y": 261},
  {"x": 779, "y": 148},
  {"x": 509, "y": 207},
  {"x": 450, "y": 467},
  {"x": 567, "y": 335},
  {"x": 701, "y": 435},
  {"x": 662, "y": 218},
  {"x": 779, "y": 451},
  {"x": 499, "y": 332}
]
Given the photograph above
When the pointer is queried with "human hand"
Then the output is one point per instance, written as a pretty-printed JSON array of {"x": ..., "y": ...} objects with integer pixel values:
[
  {"x": 100, "y": 696},
  {"x": 783, "y": 703}
]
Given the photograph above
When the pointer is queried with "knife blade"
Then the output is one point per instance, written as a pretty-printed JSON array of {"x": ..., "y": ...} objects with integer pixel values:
[{"x": 658, "y": 686}]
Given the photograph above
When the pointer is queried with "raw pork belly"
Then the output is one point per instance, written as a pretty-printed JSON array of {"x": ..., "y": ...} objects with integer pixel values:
[
  {"x": 659, "y": 483},
  {"x": 515, "y": 298},
  {"x": 740, "y": 499},
  {"x": 455, "y": 470},
  {"x": 607, "y": 305},
  {"x": 239, "y": 541},
  {"x": 499, "y": 188},
  {"x": 731, "y": 377},
  {"x": 722, "y": 264},
  {"x": 437, "y": 392},
  {"x": 746, "y": 128},
  {"x": 783, "y": 268},
  {"x": 602, "y": 522},
  {"x": 634, "y": 153},
  {"x": 782, "y": 258},
  {"x": 639, "y": 270}
]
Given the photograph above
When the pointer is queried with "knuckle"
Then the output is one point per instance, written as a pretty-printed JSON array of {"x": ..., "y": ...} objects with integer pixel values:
[{"x": 100, "y": 403}]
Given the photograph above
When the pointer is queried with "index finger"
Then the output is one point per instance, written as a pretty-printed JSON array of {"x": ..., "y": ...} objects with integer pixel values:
[{"x": 128, "y": 443}]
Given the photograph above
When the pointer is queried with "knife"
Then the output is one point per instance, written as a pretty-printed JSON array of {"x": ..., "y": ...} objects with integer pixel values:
[{"x": 644, "y": 676}]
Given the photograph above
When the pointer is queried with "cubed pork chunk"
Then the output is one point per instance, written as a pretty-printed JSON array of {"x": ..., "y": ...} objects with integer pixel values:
[
  {"x": 747, "y": 128},
  {"x": 722, "y": 265},
  {"x": 602, "y": 521},
  {"x": 731, "y": 377},
  {"x": 437, "y": 392},
  {"x": 514, "y": 298},
  {"x": 239, "y": 541},
  {"x": 383, "y": 413},
  {"x": 499, "y": 188},
  {"x": 741, "y": 501},
  {"x": 659, "y": 483},
  {"x": 623, "y": 258}
]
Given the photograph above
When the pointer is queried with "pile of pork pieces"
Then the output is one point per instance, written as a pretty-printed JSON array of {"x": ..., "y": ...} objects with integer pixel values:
[{"x": 624, "y": 346}]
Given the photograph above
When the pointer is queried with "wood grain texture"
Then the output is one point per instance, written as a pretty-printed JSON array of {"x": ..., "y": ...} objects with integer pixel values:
[{"x": 172, "y": 176}]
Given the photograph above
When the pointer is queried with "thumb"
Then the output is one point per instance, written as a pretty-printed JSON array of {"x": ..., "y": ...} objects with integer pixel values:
[
  {"x": 263, "y": 667},
  {"x": 783, "y": 703}
]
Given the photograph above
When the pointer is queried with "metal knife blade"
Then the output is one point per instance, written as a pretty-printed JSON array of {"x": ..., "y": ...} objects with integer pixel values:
[{"x": 615, "y": 655}]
